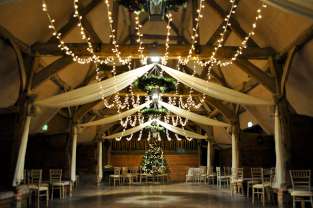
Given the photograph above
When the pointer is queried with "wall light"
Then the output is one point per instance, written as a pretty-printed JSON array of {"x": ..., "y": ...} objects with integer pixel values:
[{"x": 250, "y": 124}]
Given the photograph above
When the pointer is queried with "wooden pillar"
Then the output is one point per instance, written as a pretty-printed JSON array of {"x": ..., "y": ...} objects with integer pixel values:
[
  {"x": 19, "y": 169},
  {"x": 209, "y": 156},
  {"x": 100, "y": 164},
  {"x": 282, "y": 130},
  {"x": 235, "y": 144},
  {"x": 109, "y": 150},
  {"x": 73, "y": 155}
]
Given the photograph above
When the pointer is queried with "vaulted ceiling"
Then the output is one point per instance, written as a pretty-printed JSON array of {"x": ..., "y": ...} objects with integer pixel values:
[{"x": 278, "y": 30}]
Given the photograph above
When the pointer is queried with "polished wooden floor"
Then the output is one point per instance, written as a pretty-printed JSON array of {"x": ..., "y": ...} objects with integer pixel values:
[{"x": 160, "y": 196}]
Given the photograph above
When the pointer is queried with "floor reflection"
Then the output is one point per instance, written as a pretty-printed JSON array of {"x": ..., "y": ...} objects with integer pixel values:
[{"x": 168, "y": 196}]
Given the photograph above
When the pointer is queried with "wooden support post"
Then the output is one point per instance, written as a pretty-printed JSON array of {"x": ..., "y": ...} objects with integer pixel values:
[
  {"x": 73, "y": 156},
  {"x": 19, "y": 170},
  {"x": 235, "y": 144},
  {"x": 100, "y": 164},
  {"x": 109, "y": 150},
  {"x": 209, "y": 156},
  {"x": 282, "y": 133}
]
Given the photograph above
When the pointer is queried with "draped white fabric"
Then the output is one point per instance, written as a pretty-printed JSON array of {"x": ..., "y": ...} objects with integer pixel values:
[
  {"x": 19, "y": 169},
  {"x": 214, "y": 90},
  {"x": 115, "y": 117},
  {"x": 193, "y": 116},
  {"x": 181, "y": 131},
  {"x": 128, "y": 131},
  {"x": 95, "y": 91}
]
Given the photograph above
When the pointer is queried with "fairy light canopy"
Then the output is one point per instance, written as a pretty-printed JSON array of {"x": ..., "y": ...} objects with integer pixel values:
[
  {"x": 155, "y": 8},
  {"x": 179, "y": 39}
]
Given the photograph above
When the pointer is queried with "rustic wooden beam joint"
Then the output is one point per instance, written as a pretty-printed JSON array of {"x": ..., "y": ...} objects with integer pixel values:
[{"x": 258, "y": 74}]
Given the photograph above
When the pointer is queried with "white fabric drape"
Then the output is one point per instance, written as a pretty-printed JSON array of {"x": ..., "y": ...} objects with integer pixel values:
[
  {"x": 193, "y": 116},
  {"x": 19, "y": 169},
  {"x": 214, "y": 90},
  {"x": 73, "y": 159},
  {"x": 128, "y": 131},
  {"x": 279, "y": 151},
  {"x": 181, "y": 131},
  {"x": 115, "y": 117},
  {"x": 100, "y": 166},
  {"x": 95, "y": 91}
]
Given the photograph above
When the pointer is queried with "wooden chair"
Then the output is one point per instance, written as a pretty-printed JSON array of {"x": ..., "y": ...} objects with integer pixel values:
[
  {"x": 236, "y": 182},
  {"x": 262, "y": 188},
  {"x": 126, "y": 176},
  {"x": 202, "y": 174},
  {"x": 255, "y": 178},
  {"x": 190, "y": 175},
  {"x": 301, "y": 187},
  {"x": 37, "y": 187},
  {"x": 116, "y": 177},
  {"x": 134, "y": 171},
  {"x": 221, "y": 178},
  {"x": 56, "y": 183}
]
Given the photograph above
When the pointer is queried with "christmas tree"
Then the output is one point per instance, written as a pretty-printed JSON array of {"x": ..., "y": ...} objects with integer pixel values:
[{"x": 153, "y": 161}]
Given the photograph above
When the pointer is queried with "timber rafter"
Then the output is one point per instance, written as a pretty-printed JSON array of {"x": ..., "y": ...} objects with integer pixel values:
[{"x": 175, "y": 51}]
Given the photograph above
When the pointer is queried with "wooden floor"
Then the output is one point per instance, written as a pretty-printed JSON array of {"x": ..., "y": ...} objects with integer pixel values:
[{"x": 161, "y": 196}]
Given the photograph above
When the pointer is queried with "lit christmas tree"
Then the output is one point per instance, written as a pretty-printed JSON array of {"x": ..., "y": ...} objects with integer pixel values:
[{"x": 153, "y": 161}]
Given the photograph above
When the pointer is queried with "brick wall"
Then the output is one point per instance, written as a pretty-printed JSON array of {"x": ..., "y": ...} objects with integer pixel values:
[{"x": 178, "y": 163}]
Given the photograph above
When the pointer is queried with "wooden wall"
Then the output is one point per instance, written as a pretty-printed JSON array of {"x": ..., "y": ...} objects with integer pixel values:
[
  {"x": 7, "y": 151},
  {"x": 48, "y": 151},
  {"x": 256, "y": 150},
  {"x": 177, "y": 162}
]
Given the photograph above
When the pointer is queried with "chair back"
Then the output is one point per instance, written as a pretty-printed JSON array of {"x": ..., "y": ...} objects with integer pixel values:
[
  {"x": 257, "y": 174},
  {"x": 124, "y": 170},
  {"x": 117, "y": 171},
  {"x": 218, "y": 172},
  {"x": 202, "y": 169},
  {"x": 36, "y": 176},
  {"x": 134, "y": 170},
  {"x": 300, "y": 179},
  {"x": 237, "y": 173},
  {"x": 55, "y": 175},
  {"x": 190, "y": 172}
]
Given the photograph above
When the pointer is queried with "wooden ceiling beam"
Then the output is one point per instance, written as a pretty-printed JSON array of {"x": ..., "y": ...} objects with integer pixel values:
[
  {"x": 50, "y": 70},
  {"x": 194, "y": 7},
  {"x": 216, "y": 35},
  {"x": 175, "y": 51},
  {"x": 83, "y": 11},
  {"x": 90, "y": 31},
  {"x": 234, "y": 23},
  {"x": 257, "y": 73},
  {"x": 177, "y": 32}
]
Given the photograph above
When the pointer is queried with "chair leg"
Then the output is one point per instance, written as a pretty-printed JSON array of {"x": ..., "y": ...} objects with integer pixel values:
[
  {"x": 263, "y": 196},
  {"x": 47, "y": 198},
  {"x": 52, "y": 190},
  {"x": 293, "y": 202},
  {"x": 311, "y": 199},
  {"x": 38, "y": 199},
  {"x": 252, "y": 195}
]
